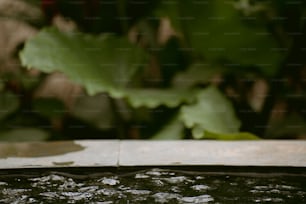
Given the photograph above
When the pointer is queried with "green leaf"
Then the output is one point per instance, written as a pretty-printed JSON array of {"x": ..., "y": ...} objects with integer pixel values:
[
  {"x": 200, "y": 134},
  {"x": 8, "y": 104},
  {"x": 153, "y": 98},
  {"x": 24, "y": 135},
  {"x": 100, "y": 63},
  {"x": 174, "y": 130},
  {"x": 212, "y": 112},
  {"x": 217, "y": 29}
]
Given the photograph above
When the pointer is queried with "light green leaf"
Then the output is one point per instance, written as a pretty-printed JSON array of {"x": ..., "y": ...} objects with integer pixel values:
[
  {"x": 153, "y": 98},
  {"x": 8, "y": 104},
  {"x": 198, "y": 133},
  {"x": 174, "y": 130},
  {"x": 212, "y": 112},
  {"x": 24, "y": 135},
  {"x": 100, "y": 63}
]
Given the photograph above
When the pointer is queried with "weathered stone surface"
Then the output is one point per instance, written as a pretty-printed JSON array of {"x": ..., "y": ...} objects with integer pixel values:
[
  {"x": 238, "y": 153},
  {"x": 109, "y": 153},
  {"x": 59, "y": 154}
]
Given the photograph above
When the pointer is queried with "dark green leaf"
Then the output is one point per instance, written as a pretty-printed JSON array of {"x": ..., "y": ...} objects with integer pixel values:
[{"x": 217, "y": 29}]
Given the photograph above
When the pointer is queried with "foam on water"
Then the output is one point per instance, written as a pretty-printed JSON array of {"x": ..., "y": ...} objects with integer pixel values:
[{"x": 151, "y": 186}]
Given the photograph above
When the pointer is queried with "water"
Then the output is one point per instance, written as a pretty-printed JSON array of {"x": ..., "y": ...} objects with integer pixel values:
[{"x": 151, "y": 186}]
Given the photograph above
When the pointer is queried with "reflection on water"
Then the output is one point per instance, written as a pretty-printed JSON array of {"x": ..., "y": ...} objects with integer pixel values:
[{"x": 152, "y": 186}]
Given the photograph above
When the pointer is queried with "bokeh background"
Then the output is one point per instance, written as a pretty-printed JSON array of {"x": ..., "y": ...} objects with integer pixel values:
[{"x": 149, "y": 69}]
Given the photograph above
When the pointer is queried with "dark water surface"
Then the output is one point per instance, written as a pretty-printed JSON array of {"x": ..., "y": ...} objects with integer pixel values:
[{"x": 151, "y": 186}]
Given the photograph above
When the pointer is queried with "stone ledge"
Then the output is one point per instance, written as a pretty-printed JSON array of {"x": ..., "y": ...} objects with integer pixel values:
[
  {"x": 115, "y": 153},
  {"x": 238, "y": 153},
  {"x": 72, "y": 154}
]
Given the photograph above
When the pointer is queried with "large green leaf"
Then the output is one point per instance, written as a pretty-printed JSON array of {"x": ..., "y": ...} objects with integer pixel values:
[
  {"x": 217, "y": 29},
  {"x": 212, "y": 112},
  {"x": 100, "y": 63}
]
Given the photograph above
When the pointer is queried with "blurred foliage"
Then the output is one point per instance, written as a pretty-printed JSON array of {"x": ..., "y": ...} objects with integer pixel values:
[
  {"x": 173, "y": 130},
  {"x": 8, "y": 103},
  {"x": 212, "y": 113},
  {"x": 24, "y": 135},
  {"x": 205, "y": 69},
  {"x": 215, "y": 29}
]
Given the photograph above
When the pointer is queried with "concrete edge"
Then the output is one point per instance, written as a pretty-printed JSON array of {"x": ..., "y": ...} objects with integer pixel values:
[{"x": 129, "y": 153}]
